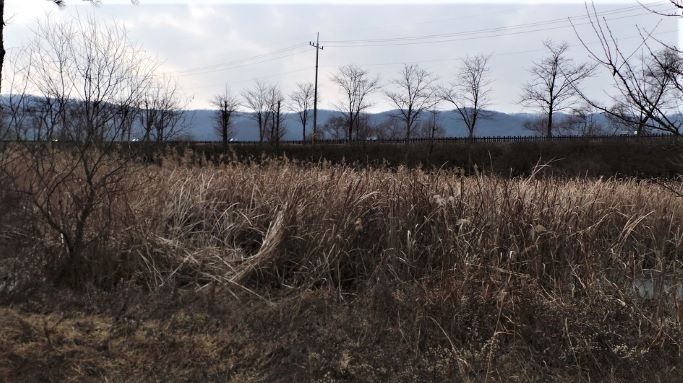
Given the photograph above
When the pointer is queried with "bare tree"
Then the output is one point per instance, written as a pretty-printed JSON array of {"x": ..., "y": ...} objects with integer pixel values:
[
  {"x": 302, "y": 100},
  {"x": 554, "y": 83},
  {"x": 161, "y": 112},
  {"x": 365, "y": 129},
  {"x": 389, "y": 129},
  {"x": 227, "y": 105},
  {"x": 431, "y": 127},
  {"x": 75, "y": 187},
  {"x": 52, "y": 79},
  {"x": 470, "y": 92},
  {"x": 579, "y": 121},
  {"x": 676, "y": 12},
  {"x": 584, "y": 121},
  {"x": 648, "y": 84},
  {"x": 335, "y": 128},
  {"x": 413, "y": 96},
  {"x": 275, "y": 118},
  {"x": 356, "y": 85},
  {"x": 256, "y": 100}
]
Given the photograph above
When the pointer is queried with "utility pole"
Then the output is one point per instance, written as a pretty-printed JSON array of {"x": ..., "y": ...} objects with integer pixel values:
[{"x": 318, "y": 48}]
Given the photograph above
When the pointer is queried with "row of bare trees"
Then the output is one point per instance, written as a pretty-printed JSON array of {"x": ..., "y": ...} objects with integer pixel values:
[
  {"x": 553, "y": 88},
  {"x": 267, "y": 105},
  {"x": 647, "y": 89},
  {"x": 80, "y": 81},
  {"x": 647, "y": 85},
  {"x": 413, "y": 94}
]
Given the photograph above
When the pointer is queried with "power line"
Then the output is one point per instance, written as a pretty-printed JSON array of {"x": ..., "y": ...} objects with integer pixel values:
[
  {"x": 411, "y": 40},
  {"x": 300, "y": 44},
  {"x": 232, "y": 63},
  {"x": 433, "y": 21},
  {"x": 492, "y": 54},
  {"x": 396, "y": 41},
  {"x": 488, "y": 32},
  {"x": 510, "y": 34},
  {"x": 411, "y": 62},
  {"x": 252, "y": 79},
  {"x": 228, "y": 68}
]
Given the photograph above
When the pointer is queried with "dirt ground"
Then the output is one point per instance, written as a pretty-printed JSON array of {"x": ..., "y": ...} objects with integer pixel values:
[{"x": 317, "y": 337}]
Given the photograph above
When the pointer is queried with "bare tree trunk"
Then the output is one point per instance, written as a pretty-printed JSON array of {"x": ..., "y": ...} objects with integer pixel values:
[
  {"x": 407, "y": 132},
  {"x": 272, "y": 126},
  {"x": 432, "y": 132},
  {"x": 225, "y": 133},
  {"x": 549, "y": 128},
  {"x": 303, "y": 124}
]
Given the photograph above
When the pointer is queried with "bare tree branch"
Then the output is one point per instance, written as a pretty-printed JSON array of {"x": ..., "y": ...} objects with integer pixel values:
[{"x": 647, "y": 84}]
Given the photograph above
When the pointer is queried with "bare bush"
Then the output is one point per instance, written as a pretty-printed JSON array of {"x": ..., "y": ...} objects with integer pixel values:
[
  {"x": 59, "y": 3},
  {"x": 74, "y": 186},
  {"x": 334, "y": 128}
]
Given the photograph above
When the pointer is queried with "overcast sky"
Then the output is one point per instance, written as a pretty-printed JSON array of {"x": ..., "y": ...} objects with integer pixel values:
[{"x": 207, "y": 45}]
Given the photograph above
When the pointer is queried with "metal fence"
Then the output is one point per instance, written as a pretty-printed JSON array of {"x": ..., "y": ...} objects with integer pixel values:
[{"x": 439, "y": 140}]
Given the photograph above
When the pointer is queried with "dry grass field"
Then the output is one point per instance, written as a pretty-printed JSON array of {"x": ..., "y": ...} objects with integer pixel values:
[{"x": 285, "y": 271}]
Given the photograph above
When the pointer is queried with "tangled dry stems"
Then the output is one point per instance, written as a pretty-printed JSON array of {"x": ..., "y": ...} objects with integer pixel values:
[
  {"x": 530, "y": 274},
  {"x": 300, "y": 226}
]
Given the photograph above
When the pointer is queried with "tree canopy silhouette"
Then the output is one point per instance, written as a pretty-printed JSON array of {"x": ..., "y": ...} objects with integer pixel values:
[{"x": 59, "y": 3}]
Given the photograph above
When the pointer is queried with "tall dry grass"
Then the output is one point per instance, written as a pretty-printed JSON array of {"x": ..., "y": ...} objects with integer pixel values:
[
  {"x": 529, "y": 274},
  {"x": 283, "y": 224},
  {"x": 500, "y": 268}
]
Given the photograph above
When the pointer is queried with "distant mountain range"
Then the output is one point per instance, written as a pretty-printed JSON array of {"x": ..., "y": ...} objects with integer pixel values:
[{"x": 200, "y": 124}]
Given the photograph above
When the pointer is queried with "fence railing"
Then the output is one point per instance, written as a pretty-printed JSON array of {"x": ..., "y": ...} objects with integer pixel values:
[
  {"x": 436, "y": 140},
  {"x": 490, "y": 139}
]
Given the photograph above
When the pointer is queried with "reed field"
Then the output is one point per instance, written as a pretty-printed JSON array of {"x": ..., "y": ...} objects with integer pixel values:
[{"x": 294, "y": 271}]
